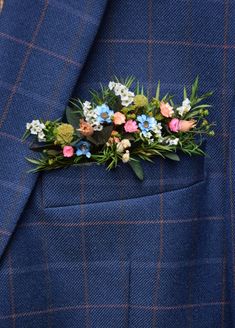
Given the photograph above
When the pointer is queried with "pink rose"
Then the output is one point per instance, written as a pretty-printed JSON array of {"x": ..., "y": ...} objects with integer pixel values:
[
  {"x": 68, "y": 151},
  {"x": 119, "y": 118},
  {"x": 174, "y": 125},
  {"x": 131, "y": 126},
  {"x": 166, "y": 109}
]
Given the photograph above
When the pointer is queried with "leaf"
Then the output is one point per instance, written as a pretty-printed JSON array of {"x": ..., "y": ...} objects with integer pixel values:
[
  {"x": 73, "y": 117},
  {"x": 26, "y": 135},
  {"x": 41, "y": 146},
  {"x": 194, "y": 89},
  {"x": 185, "y": 92},
  {"x": 158, "y": 91},
  {"x": 172, "y": 156},
  {"x": 137, "y": 169},
  {"x": 101, "y": 137},
  {"x": 159, "y": 117}
]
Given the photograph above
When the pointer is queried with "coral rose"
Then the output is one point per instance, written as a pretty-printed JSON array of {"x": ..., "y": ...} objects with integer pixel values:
[
  {"x": 185, "y": 126},
  {"x": 166, "y": 109},
  {"x": 85, "y": 128}
]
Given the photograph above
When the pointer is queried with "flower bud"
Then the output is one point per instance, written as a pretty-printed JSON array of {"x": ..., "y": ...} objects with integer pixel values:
[{"x": 185, "y": 126}]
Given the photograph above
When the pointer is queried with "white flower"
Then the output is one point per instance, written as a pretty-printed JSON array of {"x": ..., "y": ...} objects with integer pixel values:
[
  {"x": 157, "y": 129},
  {"x": 148, "y": 135},
  {"x": 33, "y": 130},
  {"x": 185, "y": 108},
  {"x": 126, "y": 143},
  {"x": 186, "y": 103},
  {"x": 126, "y": 156},
  {"x": 41, "y": 137},
  {"x": 35, "y": 123},
  {"x": 172, "y": 142},
  {"x": 28, "y": 126},
  {"x": 111, "y": 85},
  {"x": 36, "y": 127},
  {"x": 120, "y": 148},
  {"x": 97, "y": 127},
  {"x": 86, "y": 105}
]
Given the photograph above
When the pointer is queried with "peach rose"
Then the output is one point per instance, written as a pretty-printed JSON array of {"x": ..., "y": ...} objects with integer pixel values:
[
  {"x": 119, "y": 118},
  {"x": 166, "y": 109},
  {"x": 185, "y": 126}
]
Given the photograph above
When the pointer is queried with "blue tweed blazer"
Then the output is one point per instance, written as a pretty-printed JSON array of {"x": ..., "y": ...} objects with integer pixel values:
[{"x": 87, "y": 248}]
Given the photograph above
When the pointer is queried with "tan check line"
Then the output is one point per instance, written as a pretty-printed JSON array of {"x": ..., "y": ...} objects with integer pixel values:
[
  {"x": 35, "y": 47},
  {"x": 14, "y": 138},
  {"x": 4, "y": 232},
  {"x": 98, "y": 223},
  {"x": 112, "y": 306},
  {"x": 23, "y": 64},
  {"x": 11, "y": 289},
  {"x": 225, "y": 147},
  {"x": 55, "y": 95},
  {"x": 168, "y": 42},
  {"x": 161, "y": 247}
]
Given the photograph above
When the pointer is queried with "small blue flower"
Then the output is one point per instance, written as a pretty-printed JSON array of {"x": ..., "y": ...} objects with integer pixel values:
[
  {"x": 104, "y": 113},
  {"x": 146, "y": 123},
  {"x": 83, "y": 148}
]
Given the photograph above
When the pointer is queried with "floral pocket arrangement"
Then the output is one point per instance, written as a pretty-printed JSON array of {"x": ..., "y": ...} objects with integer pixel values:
[{"x": 119, "y": 125}]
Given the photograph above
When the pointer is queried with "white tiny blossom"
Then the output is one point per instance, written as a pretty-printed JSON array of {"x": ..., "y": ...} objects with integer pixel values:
[
  {"x": 33, "y": 130},
  {"x": 185, "y": 108},
  {"x": 36, "y": 128},
  {"x": 126, "y": 143},
  {"x": 172, "y": 142},
  {"x": 157, "y": 129},
  {"x": 35, "y": 123},
  {"x": 111, "y": 85},
  {"x": 28, "y": 126},
  {"x": 98, "y": 127},
  {"x": 86, "y": 105},
  {"x": 126, "y": 156},
  {"x": 186, "y": 103},
  {"x": 121, "y": 90},
  {"x": 120, "y": 148},
  {"x": 41, "y": 137},
  {"x": 148, "y": 135}
]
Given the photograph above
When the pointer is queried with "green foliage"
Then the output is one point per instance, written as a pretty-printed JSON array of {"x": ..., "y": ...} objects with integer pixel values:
[
  {"x": 137, "y": 168},
  {"x": 189, "y": 142}
]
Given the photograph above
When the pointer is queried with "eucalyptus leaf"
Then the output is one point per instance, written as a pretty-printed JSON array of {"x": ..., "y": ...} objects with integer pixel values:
[
  {"x": 172, "y": 156},
  {"x": 101, "y": 137},
  {"x": 73, "y": 117},
  {"x": 137, "y": 169},
  {"x": 158, "y": 91}
]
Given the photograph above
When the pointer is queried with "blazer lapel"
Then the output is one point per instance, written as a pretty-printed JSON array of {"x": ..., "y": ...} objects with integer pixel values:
[{"x": 40, "y": 63}]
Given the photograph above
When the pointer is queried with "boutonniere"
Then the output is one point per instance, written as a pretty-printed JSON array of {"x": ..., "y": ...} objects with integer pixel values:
[{"x": 119, "y": 125}]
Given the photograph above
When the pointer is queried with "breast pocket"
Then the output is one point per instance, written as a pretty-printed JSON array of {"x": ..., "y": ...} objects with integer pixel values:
[{"x": 92, "y": 183}]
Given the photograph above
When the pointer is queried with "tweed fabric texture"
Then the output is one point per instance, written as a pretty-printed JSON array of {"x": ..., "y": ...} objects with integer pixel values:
[{"x": 83, "y": 247}]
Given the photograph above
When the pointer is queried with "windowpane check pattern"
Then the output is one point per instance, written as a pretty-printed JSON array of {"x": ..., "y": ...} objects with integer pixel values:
[{"x": 83, "y": 247}]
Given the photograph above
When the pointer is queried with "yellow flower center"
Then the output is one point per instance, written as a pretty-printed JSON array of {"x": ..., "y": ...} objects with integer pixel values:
[
  {"x": 146, "y": 124},
  {"x": 104, "y": 115}
]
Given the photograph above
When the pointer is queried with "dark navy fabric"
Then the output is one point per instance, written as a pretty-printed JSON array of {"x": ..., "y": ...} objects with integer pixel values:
[{"x": 86, "y": 248}]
